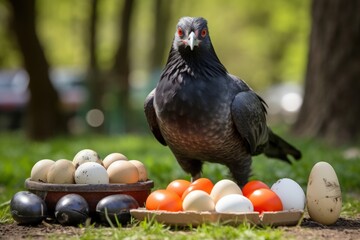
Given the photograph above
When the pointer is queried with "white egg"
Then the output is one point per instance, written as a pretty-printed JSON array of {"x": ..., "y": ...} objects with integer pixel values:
[
  {"x": 291, "y": 194},
  {"x": 224, "y": 187},
  {"x": 91, "y": 173},
  {"x": 86, "y": 155},
  {"x": 40, "y": 170},
  {"x": 234, "y": 203},
  {"x": 198, "y": 200},
  {"x": 323, "y": 194}
]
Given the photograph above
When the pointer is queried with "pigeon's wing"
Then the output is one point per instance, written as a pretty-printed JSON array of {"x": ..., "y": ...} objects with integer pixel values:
[
  {"x": 249, "y": 116},
  {"x": 151, "y": 117}
]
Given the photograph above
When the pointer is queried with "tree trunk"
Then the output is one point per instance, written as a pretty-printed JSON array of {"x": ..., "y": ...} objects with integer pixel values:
[
  {"x": 95, "y": 84},
  {"x": 121, "y": 67},
  {"x": 162, "y": 19},
  {"x": 331, "y": 102},
  {"x": 162, "y": 13},
  {"x": 44, "y": 118}
]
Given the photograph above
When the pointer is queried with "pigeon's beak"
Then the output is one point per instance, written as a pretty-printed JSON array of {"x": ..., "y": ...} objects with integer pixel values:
[{"x": 192, "y": 41}]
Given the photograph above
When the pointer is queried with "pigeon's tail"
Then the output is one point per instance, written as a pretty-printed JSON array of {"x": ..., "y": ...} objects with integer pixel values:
[{"x": 279, "y": 148}]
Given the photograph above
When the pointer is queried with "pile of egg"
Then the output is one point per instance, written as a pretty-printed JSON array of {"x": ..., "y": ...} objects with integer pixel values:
[
  {"x": 88, "y": 168},
  {"x": 323, "y": 197},
  {"x": 227, "y": 197}
]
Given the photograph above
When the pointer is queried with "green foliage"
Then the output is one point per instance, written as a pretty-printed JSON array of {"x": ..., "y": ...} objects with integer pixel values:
[
  {"x": 18, "y": 155},
  {"x": 262, "y": 42}
]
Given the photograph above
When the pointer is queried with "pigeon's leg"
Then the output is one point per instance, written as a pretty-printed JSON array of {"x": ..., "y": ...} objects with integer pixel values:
[
  {"x": 191, "y": 166},
  {"x": 240, "y": 170},
  {"x": 196, "y": 177}
]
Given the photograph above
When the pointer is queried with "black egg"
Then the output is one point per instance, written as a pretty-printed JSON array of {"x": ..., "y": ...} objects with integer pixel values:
[
  {"x": 71, "y": 209},
  {"x": 117, "y": 208},
  {"x": 28, "y": 208}
]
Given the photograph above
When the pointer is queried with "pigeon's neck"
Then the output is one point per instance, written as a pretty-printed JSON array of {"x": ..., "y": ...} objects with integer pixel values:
[{"x": 197, "y": 63}]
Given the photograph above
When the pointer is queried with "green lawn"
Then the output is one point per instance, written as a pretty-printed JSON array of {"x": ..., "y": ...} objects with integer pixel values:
[{"x": 17, "y": 156}]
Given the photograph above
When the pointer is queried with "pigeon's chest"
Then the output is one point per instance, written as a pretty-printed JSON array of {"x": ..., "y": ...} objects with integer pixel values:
[
  {"x": 192, "y": 101},
  {"x": 195, "y": 115}
]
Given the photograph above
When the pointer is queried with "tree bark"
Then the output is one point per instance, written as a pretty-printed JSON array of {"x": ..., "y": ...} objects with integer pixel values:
[
  {"x": 331, "y": 102},
  {"x": 162, "y": 17},
  {"x": 95, "y": 83},
  {"x": 121, "y": 67},
  {"x": 44, "y": 118}
]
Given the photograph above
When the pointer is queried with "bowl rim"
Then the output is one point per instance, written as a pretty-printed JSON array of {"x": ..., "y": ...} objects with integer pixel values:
[{"x": 111, "y": 187}]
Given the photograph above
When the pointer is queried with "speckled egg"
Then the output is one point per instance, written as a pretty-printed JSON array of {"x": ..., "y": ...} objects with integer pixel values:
[
  {"x": 91, "y": 173},
  {"x": 323, "y": 194},
  {"x": 86, "y": 155}
]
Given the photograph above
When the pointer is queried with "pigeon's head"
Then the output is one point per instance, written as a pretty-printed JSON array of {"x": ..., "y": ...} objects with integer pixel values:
[{"x": 191, "y": 33}]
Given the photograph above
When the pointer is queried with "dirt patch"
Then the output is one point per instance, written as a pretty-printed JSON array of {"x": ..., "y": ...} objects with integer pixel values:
[
  {"x": 344, "y": 229},
  {"x": 41, "y": 231}
]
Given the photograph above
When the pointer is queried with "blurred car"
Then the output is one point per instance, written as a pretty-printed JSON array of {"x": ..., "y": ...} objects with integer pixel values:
[
  {"x": 15, "y": 94},
  {"x": 70, "y": 85}
]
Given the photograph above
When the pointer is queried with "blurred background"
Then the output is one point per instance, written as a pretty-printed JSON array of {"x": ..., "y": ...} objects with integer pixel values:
[
  {"x": 74, "y": 67},
  {"x": 103, "y": 57}
]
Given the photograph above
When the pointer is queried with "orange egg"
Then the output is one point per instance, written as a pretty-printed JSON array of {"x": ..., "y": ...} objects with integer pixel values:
[
  {"x": 203, "y": 184},
  {"x": 164, "y": 200},
  {"x": 265, "y": 200},
  {"x": 253, "y": 185},
  {"x": 178, "y": 186}
]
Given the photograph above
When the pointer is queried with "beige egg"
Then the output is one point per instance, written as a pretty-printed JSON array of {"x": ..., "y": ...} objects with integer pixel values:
[
  {"x": 141, "y": 169},
  {"x": 224, "y": 187},
  {"x": 123, "y": 171},
  {"x": 112, "y": 157},
  {"x": 40, "y": 170},
  {"x": 198, "y": 200},
  {"x": 61, "y": 172},
  {"x": 86, "y": 155},
  {"x": 324, "y": 199}
]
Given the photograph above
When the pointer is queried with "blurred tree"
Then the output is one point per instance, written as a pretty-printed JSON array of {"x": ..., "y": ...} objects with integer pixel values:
[
  {"x": 95, "y": 83},
  {"x": 331, "y": 102},
  {"x": 44, "y": 118},
  {"x": 162, "y": 14},
  {"x": 121, "y": 66}
]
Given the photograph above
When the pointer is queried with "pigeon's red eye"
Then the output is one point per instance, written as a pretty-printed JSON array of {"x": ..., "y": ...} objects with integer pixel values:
[
  {"x": 203, "y": 32},
  {"x": 180, "y": 32}
]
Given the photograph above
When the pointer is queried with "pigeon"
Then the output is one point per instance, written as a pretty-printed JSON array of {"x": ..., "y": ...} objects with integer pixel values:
[{"x": 205, "y": 114}]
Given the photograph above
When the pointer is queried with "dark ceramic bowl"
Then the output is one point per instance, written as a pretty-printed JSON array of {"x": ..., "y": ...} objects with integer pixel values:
[{"x": 92, "y": 193}]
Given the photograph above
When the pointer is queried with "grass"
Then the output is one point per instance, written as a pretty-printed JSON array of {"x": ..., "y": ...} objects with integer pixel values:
[
  {"x": 18, "y": 155},
  {"x": 155, "y": 230}
]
